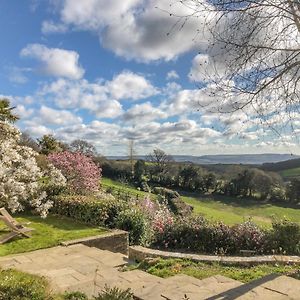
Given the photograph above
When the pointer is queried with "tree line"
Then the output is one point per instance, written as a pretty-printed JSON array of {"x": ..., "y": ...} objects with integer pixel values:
[{"x": 160, "y": 169}]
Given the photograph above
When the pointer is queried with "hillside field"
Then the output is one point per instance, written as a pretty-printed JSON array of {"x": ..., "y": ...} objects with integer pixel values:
[
  {"x": 291, "y": 173},
  {"x": 225, "y": 209}
]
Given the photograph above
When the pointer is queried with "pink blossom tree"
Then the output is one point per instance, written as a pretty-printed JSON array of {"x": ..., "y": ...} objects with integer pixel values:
[{"x": 82, "y": 174}]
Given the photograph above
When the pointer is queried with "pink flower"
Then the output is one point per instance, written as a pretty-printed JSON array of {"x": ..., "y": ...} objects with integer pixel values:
[{"x": 82, "y": 174}]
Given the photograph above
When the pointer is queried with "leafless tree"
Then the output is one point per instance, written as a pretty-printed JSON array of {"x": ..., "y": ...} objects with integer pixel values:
[
  {"x": 83, "y": 147},
  {"x": 252, "y": 61},
  {"x": 160, "y": 159}
]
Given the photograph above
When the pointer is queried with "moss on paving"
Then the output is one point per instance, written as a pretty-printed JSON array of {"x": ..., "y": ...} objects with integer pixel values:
[{"x": 47, "y": 233}]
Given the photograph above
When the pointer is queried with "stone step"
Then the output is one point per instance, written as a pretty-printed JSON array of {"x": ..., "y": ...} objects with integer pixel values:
[
  {"x": 180, "y": 286},
  {"x": 271, "y": 287}
]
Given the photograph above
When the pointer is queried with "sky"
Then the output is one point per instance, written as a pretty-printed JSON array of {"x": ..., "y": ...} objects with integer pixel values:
[{"x": 113, "y": 71}]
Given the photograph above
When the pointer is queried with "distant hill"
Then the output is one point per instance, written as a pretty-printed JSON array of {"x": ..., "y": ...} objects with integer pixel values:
[{"x": 247, "y": 159}]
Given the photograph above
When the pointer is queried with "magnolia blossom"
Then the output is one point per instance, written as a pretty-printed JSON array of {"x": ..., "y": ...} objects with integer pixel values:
[
  {"x": 21, "y": 179},
  {"x": 82, "y": 174}
]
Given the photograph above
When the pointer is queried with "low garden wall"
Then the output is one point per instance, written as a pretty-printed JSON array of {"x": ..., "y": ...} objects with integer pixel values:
[
  {"x": 140, "y": 253},
  {"x": 114, "y": 241}
]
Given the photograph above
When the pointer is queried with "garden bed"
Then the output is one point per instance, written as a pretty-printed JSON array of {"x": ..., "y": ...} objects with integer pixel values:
[{"x": 49, "y": 232}]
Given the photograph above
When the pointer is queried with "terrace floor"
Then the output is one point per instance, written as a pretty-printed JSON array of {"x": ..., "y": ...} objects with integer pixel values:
[{"x": 88, "y": 269}]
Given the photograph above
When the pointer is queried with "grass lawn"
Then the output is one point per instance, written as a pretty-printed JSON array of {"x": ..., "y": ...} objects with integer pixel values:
[
  {"x": 48, "y": 232},
  {"x": 232, "y": 211},
  {"x": 126, "y": 188},
  {"x": 169, "y": 267}
]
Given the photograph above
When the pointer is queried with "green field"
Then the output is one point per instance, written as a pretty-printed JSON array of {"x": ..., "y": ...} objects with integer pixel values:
[
  {"x": 232, "y": 211},
  {"x": 226, "y": 209},
  {"x": 290, "y": 173}
]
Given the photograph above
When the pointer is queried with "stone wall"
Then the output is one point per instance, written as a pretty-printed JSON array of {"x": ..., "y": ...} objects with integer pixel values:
[
  {"x": 139, "y": 253},
  {"x": 114, "y": 241}
]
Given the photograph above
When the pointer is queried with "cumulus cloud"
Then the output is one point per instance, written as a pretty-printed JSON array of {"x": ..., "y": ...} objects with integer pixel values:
[
  {"x": 144, "y": 113},
  {"x": 69, "y": 94},
  {"x": 52, "y": 27},
  {"x": 52, "y": 116},
  {"x": 138, "y": 29},
  {"x": 172, "y": 75},
  {"x": 128, "y": 85},
  {"x": 54, "y": 61}
]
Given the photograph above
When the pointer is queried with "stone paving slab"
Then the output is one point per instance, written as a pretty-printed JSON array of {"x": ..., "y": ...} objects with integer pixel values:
[{"x": 87, "y": 269}]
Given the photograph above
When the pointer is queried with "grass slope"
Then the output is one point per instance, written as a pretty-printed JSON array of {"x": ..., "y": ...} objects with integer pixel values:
[
  {"x": 232, "y": 211},
  {"x": 48, "y": 232},
  {"x": 225, "y": 209},
  {"x": 291, "y": 173}
]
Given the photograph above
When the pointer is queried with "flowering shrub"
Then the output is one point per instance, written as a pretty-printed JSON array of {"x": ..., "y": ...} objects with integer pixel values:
[
  {"x": 248, "y": 236},
  {"x": 198, "y": 235},
  {"x": 158, "y": 214},
  {"x": 82, "y": 174},
  {"x": 21, "y": 179}
]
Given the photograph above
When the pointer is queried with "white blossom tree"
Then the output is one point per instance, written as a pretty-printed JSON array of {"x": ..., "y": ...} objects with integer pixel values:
[{"x": 21, "y": 179}]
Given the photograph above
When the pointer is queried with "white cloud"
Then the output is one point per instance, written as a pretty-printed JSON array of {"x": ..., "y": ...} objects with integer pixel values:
[
  {"x": 52, "y": 116},
  {"x": 205, "y": 69},
  {"x": 81, "y": 94},
  {"x": 172, "y": 75},
  {"x": 128, "y": 85},
  {"x": 52, "y": 27},
  {"x": 138, "y": 29},
  {"x": 143, "y": 113},
  {"x": 54, "y": 61}
]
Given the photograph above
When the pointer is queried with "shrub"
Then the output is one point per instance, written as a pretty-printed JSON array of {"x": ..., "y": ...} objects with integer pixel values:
[
  {"x": 89, "y": 209},
  {"x": 75, "y": 296},
  {"x": 82, "y": 174},
  {"x": 198, "y": 235},
  {"x": 15, "y": 285},
  {"x": 114, "y": 294},
  {"x": 167, "y": 193},
  {"x": 285, "y": 237},
  {"x": 136, "y": 223},
  {"x": 175, "y": 203},
  {"x": 248, "y": 236}
]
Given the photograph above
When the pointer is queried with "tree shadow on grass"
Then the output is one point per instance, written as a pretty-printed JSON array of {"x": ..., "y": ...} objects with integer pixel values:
[{"x": 237, "y": 201}]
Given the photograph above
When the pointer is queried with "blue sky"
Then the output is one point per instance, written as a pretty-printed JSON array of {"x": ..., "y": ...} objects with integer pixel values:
[{"x": 108, "y": 71}]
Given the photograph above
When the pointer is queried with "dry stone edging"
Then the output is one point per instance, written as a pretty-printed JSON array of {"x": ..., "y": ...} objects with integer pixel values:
[
  {"x": 140, "y": 253},
  {"x": 115, "y": 241}
]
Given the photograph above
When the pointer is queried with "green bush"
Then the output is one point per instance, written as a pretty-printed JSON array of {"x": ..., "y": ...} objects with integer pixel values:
[
  {"x": 285, "y": 237},
  {"x": 167, "y": 193},
  {"x": 173, "y": 200},
  {"x": 136, "y": 223},
  {"x": 15, "y": 285},
  {"x": 114, "y": 294},
  {"x": 89, "y": 210}
]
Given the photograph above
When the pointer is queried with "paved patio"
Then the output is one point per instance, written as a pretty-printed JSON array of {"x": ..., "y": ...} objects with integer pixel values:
[{"x": 87, "y": 269}]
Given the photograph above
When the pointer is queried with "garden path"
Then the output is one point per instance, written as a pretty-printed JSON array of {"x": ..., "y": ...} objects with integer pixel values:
[{"x": 87, "y": 269}]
